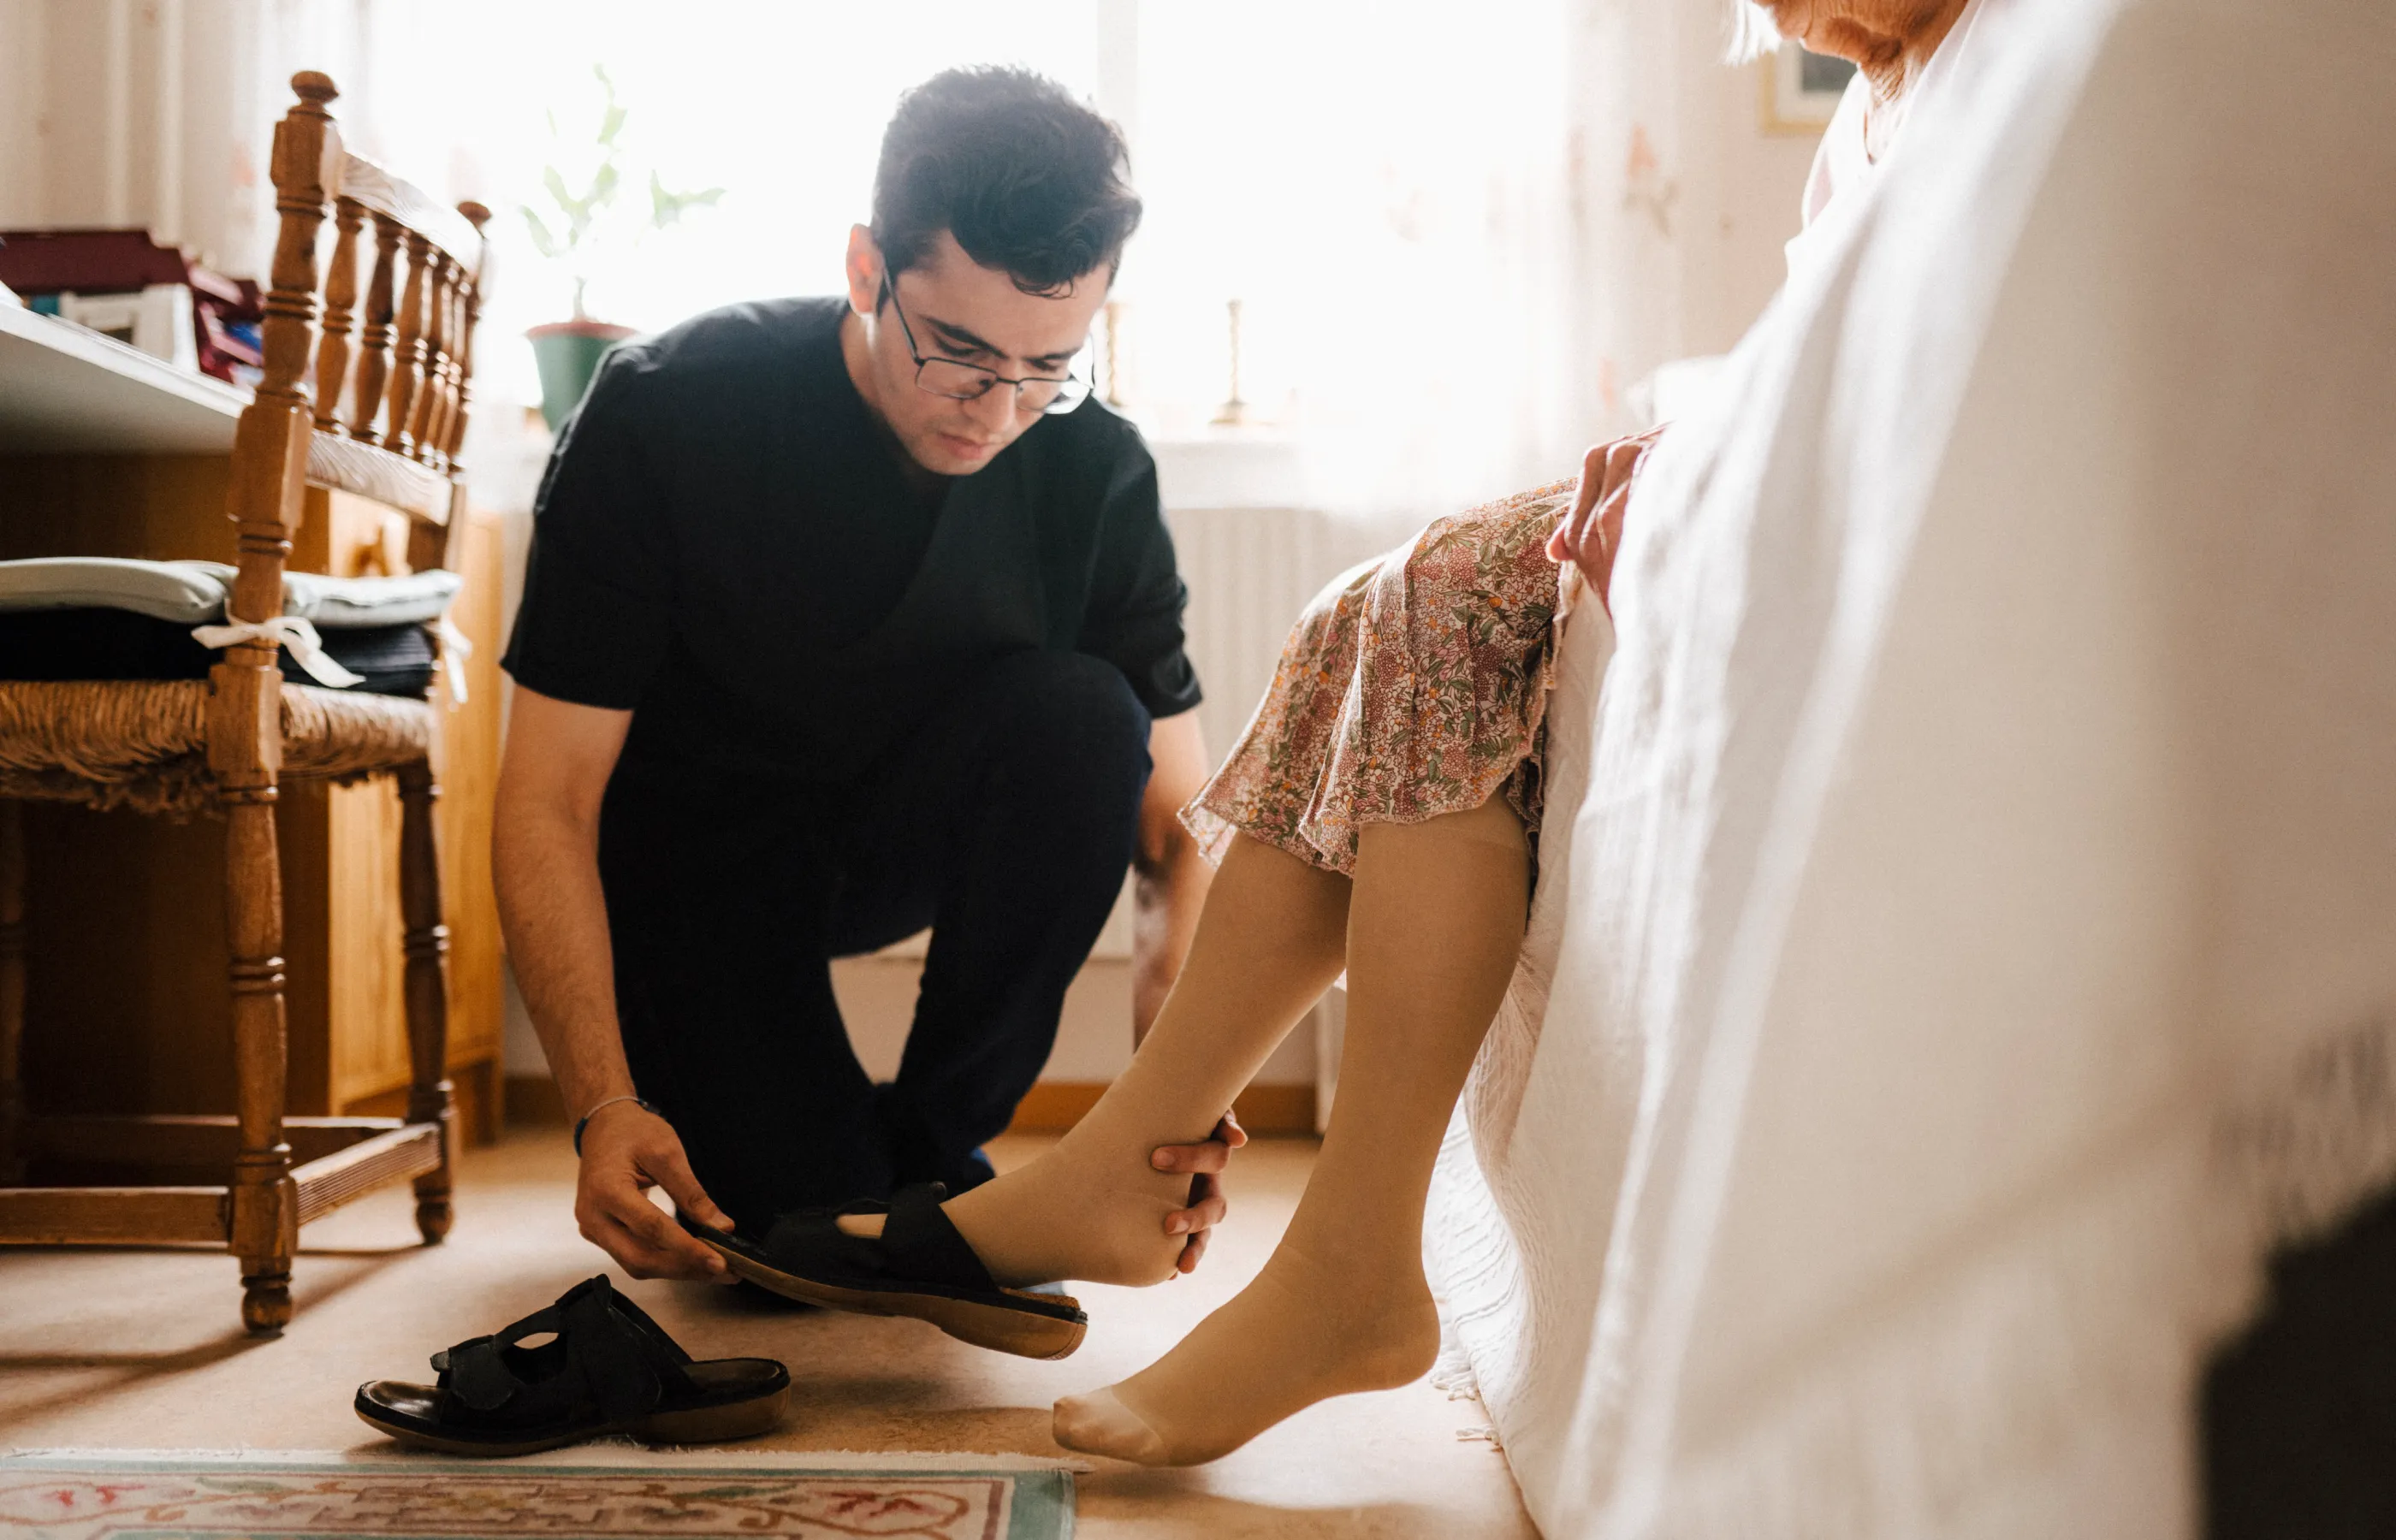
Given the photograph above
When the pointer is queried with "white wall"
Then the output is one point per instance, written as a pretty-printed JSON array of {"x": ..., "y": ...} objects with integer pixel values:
[{"x": 1740, "y": 191}]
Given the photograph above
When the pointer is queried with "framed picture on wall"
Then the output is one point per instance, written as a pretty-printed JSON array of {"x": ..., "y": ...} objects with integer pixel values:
[{"x": 1801, "y": 89}]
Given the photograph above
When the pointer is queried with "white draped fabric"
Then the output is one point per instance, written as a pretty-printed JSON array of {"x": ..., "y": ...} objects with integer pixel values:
[{"x": 1966, "y": 939}]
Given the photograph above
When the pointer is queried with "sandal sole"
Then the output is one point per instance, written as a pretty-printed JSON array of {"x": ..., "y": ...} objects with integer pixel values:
[
  {"x": 693, "y": 1426},
  {"x": 992, "y": 1326}
]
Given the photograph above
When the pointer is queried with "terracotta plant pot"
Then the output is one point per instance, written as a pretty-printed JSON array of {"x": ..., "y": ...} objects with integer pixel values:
[{"x": 568, "y": 353}]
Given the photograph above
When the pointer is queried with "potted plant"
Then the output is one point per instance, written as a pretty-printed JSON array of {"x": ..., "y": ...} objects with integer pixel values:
[{"x": 578, "y": 230}]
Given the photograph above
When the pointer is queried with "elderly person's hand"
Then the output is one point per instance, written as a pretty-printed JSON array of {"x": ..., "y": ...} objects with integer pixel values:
[
  {"x": 1204, "y": 1163},
  {"x": 1592, "y": 532}
]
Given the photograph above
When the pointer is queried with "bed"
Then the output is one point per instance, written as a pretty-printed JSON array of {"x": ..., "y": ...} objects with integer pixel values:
[{"x": 1966, "y": 939}]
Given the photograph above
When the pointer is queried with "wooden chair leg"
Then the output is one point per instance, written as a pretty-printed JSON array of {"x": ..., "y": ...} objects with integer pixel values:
[
  {"x": 265, "y": 1199},
  {"x": 12, "y": 989},
  {"x": 429, "y": 1097}
]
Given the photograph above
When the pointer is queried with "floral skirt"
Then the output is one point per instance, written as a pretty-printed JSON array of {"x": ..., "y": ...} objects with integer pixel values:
[{"x": 1414, "y": 685}]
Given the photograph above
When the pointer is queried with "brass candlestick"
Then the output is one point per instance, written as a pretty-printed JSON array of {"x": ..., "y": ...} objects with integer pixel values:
[
  {"x": 1234, "y": 411},
  {"x": 1114, "y": 353}
]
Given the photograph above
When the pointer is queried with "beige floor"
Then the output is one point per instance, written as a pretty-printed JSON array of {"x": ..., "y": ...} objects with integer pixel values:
[{"x": 133, "y": 1350}]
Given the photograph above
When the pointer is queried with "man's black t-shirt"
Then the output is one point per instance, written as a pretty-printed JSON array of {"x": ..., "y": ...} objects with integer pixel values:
[{"x": 727, "y": 545}]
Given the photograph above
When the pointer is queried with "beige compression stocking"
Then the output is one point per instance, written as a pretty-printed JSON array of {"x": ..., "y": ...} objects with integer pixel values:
[
  {"x": 1269, "y": 943},
  {"x": 1434, "y": 922}
]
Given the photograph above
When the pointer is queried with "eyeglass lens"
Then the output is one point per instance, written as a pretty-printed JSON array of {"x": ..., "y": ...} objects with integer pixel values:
[{"x": 966, "y": 382}]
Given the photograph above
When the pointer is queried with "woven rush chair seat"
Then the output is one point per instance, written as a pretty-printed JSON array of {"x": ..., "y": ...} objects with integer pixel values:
[{"x": 142, "y": 744}]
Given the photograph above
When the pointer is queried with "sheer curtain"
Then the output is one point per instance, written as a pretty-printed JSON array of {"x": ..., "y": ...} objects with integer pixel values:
[
  {"x": 1459, "y": 236},
  {"x": 781, "y": 104},
  {"x": 159, "y": 114},
  {"x": 1439, "y": 224},
  {"x": 1390, "y": 198}
]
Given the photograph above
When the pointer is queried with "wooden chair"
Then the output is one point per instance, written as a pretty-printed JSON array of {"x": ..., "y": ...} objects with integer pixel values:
[{"x": 175, "y": 747}]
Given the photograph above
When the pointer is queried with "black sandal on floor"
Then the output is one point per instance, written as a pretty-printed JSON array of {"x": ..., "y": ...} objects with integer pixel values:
[
  {"x": 919, "y": 1267},
  {"x": 610, "y": 1369}
]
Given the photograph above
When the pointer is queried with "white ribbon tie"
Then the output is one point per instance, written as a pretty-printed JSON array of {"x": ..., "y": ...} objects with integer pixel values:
[
  {"x": 455, "y": 650},
  {"x": 288, "y": 631}
]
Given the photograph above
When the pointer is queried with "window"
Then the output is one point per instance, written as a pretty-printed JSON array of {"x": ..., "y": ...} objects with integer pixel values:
[{"x": 1383, "y": 192}]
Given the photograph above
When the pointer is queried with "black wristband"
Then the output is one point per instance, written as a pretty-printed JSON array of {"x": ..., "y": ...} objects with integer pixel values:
[{"x": 611, "y": 1101}]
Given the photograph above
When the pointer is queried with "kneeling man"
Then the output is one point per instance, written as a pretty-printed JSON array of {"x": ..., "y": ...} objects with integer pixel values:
[{"x": 846, "y": 618}]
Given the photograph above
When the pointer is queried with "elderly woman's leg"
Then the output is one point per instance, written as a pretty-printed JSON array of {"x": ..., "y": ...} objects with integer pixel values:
[
  {"x": 1434, "y": 923},
  {"x": 1270, "y": 940}
]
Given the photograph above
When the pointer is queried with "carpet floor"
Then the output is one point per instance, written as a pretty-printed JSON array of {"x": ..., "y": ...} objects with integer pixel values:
[{"x": 145, "y": 1350}]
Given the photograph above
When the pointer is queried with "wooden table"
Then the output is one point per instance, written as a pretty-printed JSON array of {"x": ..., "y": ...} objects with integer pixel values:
[{"x": 105, "y": 451}]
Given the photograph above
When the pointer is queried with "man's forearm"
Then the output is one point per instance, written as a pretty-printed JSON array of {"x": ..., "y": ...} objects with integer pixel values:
[
  {"x": 1166, "y": 895},
  {"x": 555, "y": 920}
]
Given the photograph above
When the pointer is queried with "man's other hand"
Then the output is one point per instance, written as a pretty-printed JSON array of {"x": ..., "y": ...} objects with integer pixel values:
[
  {"x": 626, "y": 1150},
  {"x": 1204, "y": 1165}
]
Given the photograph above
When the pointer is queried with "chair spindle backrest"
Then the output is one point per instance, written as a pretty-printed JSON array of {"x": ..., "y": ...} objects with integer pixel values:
[
  {"x": 381, "y": 368},
  {"x": 398, "y": 354},
  {"x": 270, "y": 445},
  {"x": 405, "y": 378},
  {"x": 374, "y": 362}
]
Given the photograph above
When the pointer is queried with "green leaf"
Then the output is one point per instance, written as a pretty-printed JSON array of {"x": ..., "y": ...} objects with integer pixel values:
[
  {"x": 543, "y": 240},
  {"x": 666, "y": 208},
  {"x": 555, "y": 182},
  {"x": 613, "y": 124},
  {"x": 603, "y": 186}
]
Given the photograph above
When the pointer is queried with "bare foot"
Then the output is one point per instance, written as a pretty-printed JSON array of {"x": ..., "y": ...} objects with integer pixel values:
[{"x": 1301, "y": 1333}]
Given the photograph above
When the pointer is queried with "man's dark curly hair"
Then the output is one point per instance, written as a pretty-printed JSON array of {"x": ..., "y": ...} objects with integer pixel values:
[{"x": 1027, "y": 178}]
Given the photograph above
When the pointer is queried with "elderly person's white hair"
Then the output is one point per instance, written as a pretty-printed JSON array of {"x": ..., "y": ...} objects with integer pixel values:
[{"x": 1751, "y": 33}]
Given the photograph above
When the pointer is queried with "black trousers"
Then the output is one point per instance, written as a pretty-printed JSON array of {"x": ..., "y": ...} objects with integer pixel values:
[
  {"x": 2299, "y": 1409},
  {"x": 1005, "y": 822}
]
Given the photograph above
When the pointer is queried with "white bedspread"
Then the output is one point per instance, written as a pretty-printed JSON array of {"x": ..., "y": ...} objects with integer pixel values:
[{"x": 1967, "y": 938}]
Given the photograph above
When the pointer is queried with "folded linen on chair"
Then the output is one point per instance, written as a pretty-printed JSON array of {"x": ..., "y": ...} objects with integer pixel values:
[
  {"x": 195, "y": 592},
  {"x": 109, "y": 618},
  {"x": 114, "y": 643}
]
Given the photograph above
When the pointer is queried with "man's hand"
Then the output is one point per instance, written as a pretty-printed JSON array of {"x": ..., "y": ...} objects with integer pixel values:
[
  {"x": 626, "y": 1150},
  {"x": 1592, "y": 532},
  {"x": 1205, "y": 1164}
]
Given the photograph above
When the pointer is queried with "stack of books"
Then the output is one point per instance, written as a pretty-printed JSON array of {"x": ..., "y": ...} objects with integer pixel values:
[{"x": 147, "y": 296}]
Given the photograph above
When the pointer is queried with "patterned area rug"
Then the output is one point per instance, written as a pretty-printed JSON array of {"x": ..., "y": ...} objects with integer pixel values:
[{"x": 97, "y": 1496}]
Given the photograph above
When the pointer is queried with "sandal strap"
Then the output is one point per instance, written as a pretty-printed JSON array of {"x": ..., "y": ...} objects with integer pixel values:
[
  {"x": 476, "y": 1370},
  {"x": 919, "y": 1242},
  {"x": 616, "y": 1365},
  {"x": 616, "y": 1357},
  {"x": 475, "y": 1374},
  {"x": 813, "y": 1237}
]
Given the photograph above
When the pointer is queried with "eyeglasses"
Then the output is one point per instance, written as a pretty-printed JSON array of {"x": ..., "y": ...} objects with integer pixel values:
[{"x": 961, "y": 381}]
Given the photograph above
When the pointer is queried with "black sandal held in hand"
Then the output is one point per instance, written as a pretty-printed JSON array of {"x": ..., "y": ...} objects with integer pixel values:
[
  {"x": 919, "y": 1267},
  {"x": 610, "y": 1370}
]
